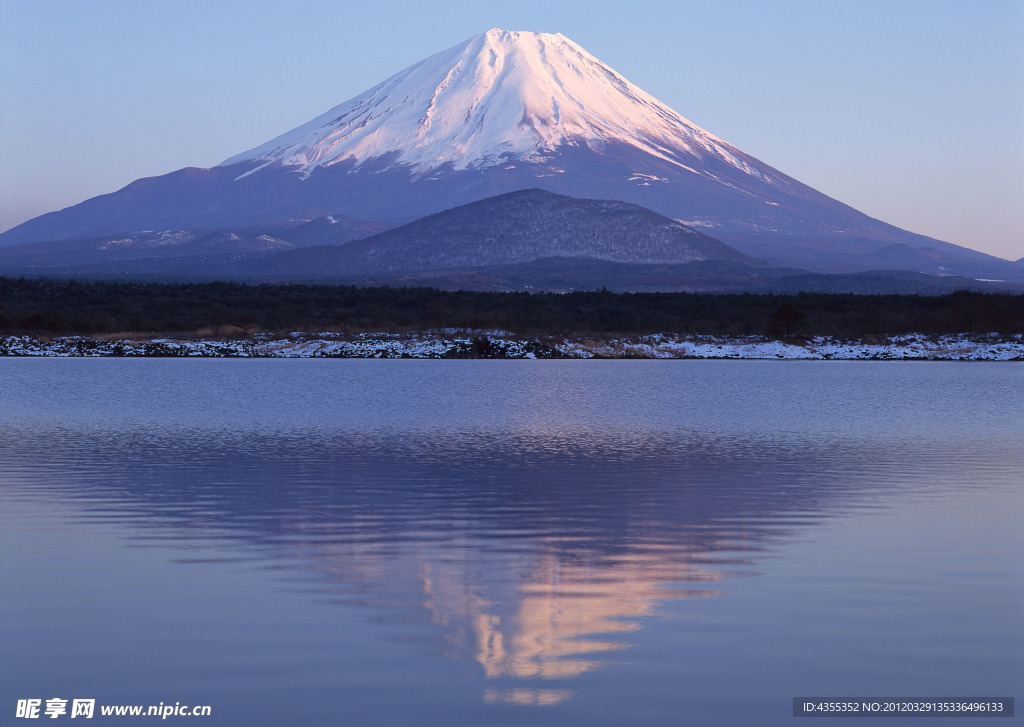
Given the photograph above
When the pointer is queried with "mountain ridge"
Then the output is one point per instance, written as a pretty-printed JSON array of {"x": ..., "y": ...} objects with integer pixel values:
[{"x": 528, "y": 240}]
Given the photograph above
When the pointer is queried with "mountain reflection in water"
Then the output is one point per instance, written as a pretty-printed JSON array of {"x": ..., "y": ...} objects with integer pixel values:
[{"x": 535, "y": 554}]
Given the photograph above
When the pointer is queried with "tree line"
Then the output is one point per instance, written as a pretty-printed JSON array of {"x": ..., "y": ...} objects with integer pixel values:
[{"x": 50, "y": 307}]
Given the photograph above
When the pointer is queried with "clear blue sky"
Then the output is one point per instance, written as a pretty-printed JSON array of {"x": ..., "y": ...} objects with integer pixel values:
[{"x": 909, "y": 110}]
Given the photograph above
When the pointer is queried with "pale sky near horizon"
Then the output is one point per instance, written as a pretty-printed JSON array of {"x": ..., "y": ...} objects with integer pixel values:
[{"x": 911, "y": 111}]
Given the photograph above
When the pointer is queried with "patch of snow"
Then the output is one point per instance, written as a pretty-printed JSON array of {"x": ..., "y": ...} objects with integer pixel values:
[
  {"x": 638, "y": 177},
  {"x": 114, "y": 244},
  {"x": 251, "y": 171},
  {"x": 175, "y": 237}
]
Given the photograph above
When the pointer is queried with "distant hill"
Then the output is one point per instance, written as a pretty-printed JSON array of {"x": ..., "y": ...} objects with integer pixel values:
[
  {"x": 184, "y": 254},
  {"x": 511, "y": 229}
]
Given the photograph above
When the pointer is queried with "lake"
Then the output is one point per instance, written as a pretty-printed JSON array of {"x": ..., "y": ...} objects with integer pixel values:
[{"x": 571, "y": 543}]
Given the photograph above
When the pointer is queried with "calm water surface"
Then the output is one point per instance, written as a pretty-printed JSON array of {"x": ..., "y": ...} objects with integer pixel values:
[{"x": 509, "y": 542}]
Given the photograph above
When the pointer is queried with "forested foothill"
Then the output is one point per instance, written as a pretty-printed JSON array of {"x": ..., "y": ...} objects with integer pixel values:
[{"x": 59, "y": 308}]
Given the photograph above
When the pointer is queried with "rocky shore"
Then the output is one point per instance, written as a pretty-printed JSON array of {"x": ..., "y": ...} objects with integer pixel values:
[{"x": 491, "y": 344}]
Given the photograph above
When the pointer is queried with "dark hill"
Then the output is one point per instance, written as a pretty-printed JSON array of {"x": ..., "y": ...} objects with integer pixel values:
[{"x": 512, "y": 229}]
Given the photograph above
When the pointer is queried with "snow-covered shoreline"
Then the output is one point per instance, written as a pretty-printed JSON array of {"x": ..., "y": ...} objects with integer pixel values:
[{"x": 492, "y": 344}]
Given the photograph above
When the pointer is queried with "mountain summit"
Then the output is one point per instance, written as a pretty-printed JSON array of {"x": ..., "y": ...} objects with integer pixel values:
[
  {"x": 501, "y": 112},
  {"x": 500, "y": 96}
]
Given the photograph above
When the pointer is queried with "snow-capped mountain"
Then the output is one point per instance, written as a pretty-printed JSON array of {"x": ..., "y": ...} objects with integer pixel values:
[
  {"x": 501, "y": 96},
  {"x": 506, "y": 111}
]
